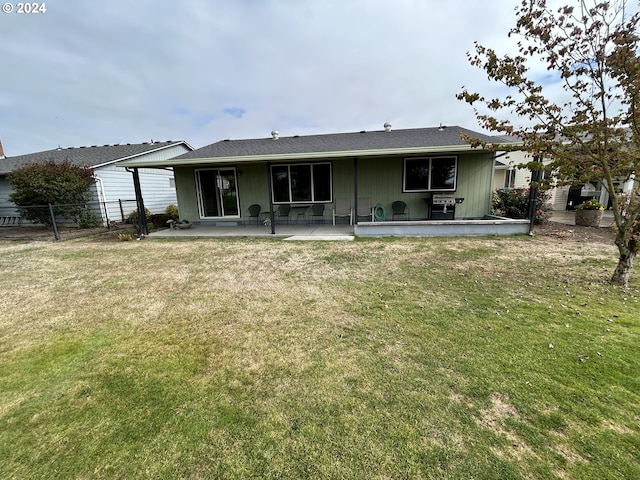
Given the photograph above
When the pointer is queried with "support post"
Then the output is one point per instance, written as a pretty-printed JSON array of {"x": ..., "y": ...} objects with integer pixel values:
[
  {"x": 56, "y": 234},
  {"x": 533, "y": 195},
  {"x": 270, "y": 190},
  {"x": 355, "y": 190},
  {"x": 142, "y": 217}
]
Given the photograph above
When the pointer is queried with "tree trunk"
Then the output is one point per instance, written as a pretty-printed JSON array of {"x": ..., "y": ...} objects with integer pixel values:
[{"x": 625, "y": 262}]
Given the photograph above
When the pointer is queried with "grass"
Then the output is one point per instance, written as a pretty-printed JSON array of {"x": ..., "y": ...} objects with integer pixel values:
[{"x": 399, "y": 358}]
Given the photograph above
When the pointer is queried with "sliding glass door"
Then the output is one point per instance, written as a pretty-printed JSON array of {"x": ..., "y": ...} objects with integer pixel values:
[{"x": 217, "y": 193}]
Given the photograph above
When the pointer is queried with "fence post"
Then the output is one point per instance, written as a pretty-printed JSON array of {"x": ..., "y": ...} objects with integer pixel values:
[
  {"x": 106, "y": 215},
  {"x": 121, "y": 210},
  {"x": 53, "y": 222}
]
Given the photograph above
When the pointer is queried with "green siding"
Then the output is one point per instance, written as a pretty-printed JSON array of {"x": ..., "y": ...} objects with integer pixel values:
[
  {"x": 253, "y": 186},
  {"x": 186, "y": 192},
  {"x": 379, "y": 179},
  {"x": 475, "y": 176}
]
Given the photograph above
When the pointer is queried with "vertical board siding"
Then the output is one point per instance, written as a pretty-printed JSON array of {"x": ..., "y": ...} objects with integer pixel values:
[
  {"x": 379, "y": 179},
  {"x": 475, "y": 176},
  {"x": 252, "y": 187},
  {"x": 187, "y": 196}
]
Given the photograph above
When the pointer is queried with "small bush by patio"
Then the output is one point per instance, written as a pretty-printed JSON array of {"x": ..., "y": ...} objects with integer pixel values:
[{"x": 514, "y": 203}]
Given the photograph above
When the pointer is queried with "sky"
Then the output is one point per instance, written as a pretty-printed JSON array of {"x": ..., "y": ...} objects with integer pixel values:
[{"x": 95, "y": 73}]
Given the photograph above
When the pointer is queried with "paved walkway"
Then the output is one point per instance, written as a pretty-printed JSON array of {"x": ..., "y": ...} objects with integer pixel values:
[{"x": 316, "y": 232}]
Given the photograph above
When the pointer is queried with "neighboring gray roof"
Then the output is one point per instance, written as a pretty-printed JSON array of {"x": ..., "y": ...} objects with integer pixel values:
[
  {"x": 362, "y": 144},
  {"x": 90, "y": 157}
]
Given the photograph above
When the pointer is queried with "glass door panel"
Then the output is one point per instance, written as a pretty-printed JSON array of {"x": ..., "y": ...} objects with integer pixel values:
[{"x": 218, "y": 193}]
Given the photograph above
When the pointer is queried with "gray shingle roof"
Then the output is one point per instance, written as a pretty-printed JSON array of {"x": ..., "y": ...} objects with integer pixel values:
[
  {"x": 89, "y": 157},
  {"x": 338, "y": 142}
]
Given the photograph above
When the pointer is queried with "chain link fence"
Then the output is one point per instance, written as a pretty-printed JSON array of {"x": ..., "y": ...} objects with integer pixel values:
[{"x": 92, "y": 214}]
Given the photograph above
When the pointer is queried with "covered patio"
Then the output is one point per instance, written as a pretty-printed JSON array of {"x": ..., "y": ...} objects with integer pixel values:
[
  {"x": 303, "y": 231},
  {"x": 428, "y": 228}
]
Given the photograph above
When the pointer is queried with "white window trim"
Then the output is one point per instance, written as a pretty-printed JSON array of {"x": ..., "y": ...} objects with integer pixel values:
[
  {"x": 311, "y": 164},
  {"x": 196, "y": 172}
]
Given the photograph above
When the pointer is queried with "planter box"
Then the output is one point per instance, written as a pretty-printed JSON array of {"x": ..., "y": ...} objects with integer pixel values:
[{"x": 588, "y": 218}]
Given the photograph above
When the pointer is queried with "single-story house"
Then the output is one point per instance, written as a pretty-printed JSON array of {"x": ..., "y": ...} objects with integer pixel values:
[
  {"x": 344, "y": 177},
  {"x": 113, "y": 190}
]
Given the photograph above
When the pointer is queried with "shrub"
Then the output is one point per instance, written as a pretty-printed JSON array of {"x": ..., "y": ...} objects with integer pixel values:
[
  {"x": 514, "y": 203},
  {"x": 88, "y": 218},
  {"x": 133, "y": 216},
  {"x": 172, "y": 212},
  {"x": 61, "y": 184},
  {"x": 592, "y": 204}
]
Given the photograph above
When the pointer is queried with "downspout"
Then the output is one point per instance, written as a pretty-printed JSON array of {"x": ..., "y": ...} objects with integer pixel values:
[
  {"x": 142, "y": 216},
  {"x": 101, "y": 193}
]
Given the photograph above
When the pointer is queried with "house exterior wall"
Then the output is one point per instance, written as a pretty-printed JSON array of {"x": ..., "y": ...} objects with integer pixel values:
[
  {"x": 7, "y": 208},
  {"x": 379, "y": 178},
  {"x": 558, "y": 196},
  {"x": 157, "y": 188},
  {"x": 116, "y": 183}
]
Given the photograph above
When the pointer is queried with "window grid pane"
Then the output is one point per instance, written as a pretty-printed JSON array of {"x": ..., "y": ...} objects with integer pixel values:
[
  {"x": 430, "y": 174},
  {"x": 301, "y": 183},
  {"x": 443, "y": 174}
]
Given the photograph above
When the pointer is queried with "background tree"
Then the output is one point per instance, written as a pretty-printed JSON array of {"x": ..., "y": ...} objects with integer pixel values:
[
  {"x": 590, "y": 131},
  {"x": 62, "y": 184}
]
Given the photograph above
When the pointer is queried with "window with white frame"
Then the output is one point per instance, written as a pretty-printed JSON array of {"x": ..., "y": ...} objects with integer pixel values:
[
  {"x": 430, "y": 174},
  {"x": 301, "y": 182},
  {"x": 510, "y": 178}
]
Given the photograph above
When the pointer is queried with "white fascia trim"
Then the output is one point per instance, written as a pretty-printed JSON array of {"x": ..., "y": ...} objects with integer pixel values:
[{"x": 130, "y": 157}]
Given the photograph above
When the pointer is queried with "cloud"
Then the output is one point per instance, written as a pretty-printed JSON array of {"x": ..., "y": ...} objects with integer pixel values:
[
  {"x": 235, "y": 112},
  {"x": 114, "y": 72}
]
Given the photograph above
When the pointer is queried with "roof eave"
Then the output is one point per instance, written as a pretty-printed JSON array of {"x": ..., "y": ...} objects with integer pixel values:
[
  {"x": 131, "y": 157},
  {"x": 280, "y": 157}
]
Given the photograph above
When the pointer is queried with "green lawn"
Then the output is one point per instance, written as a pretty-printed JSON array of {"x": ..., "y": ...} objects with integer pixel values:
[{"x": 481, "y": 358}]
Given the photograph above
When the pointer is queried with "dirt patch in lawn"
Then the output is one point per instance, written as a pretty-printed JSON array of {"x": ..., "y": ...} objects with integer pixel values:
[{"x": 575, "y": 233}]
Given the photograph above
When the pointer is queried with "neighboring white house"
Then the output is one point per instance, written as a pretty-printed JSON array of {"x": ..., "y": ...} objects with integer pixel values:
[
  {"x": 508, "y": 175},
  {"x": 113, "y": 189}
]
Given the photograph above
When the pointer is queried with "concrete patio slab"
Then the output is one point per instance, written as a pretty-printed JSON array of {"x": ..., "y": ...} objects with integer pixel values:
[{"x": 322, "y": 237}]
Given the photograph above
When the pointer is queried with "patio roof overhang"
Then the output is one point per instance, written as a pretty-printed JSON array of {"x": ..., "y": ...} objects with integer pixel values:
[{"x": 292, "y": 157}]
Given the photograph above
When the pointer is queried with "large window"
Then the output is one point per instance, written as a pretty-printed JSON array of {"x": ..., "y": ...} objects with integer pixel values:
[
  {"x": 430, "y": 174},
  {"x": 301, "y": 182}
]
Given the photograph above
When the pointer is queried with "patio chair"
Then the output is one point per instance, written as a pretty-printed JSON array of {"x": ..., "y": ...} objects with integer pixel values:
[
  {"x": 283, "y": 211},
  {"x": 364, "y": 209},
  {"x": 317, "y": 212},
  {"x": 254, "y": 212},
  {"x": 343, "y": 209},
  {"x": 399, "y": 208}
]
